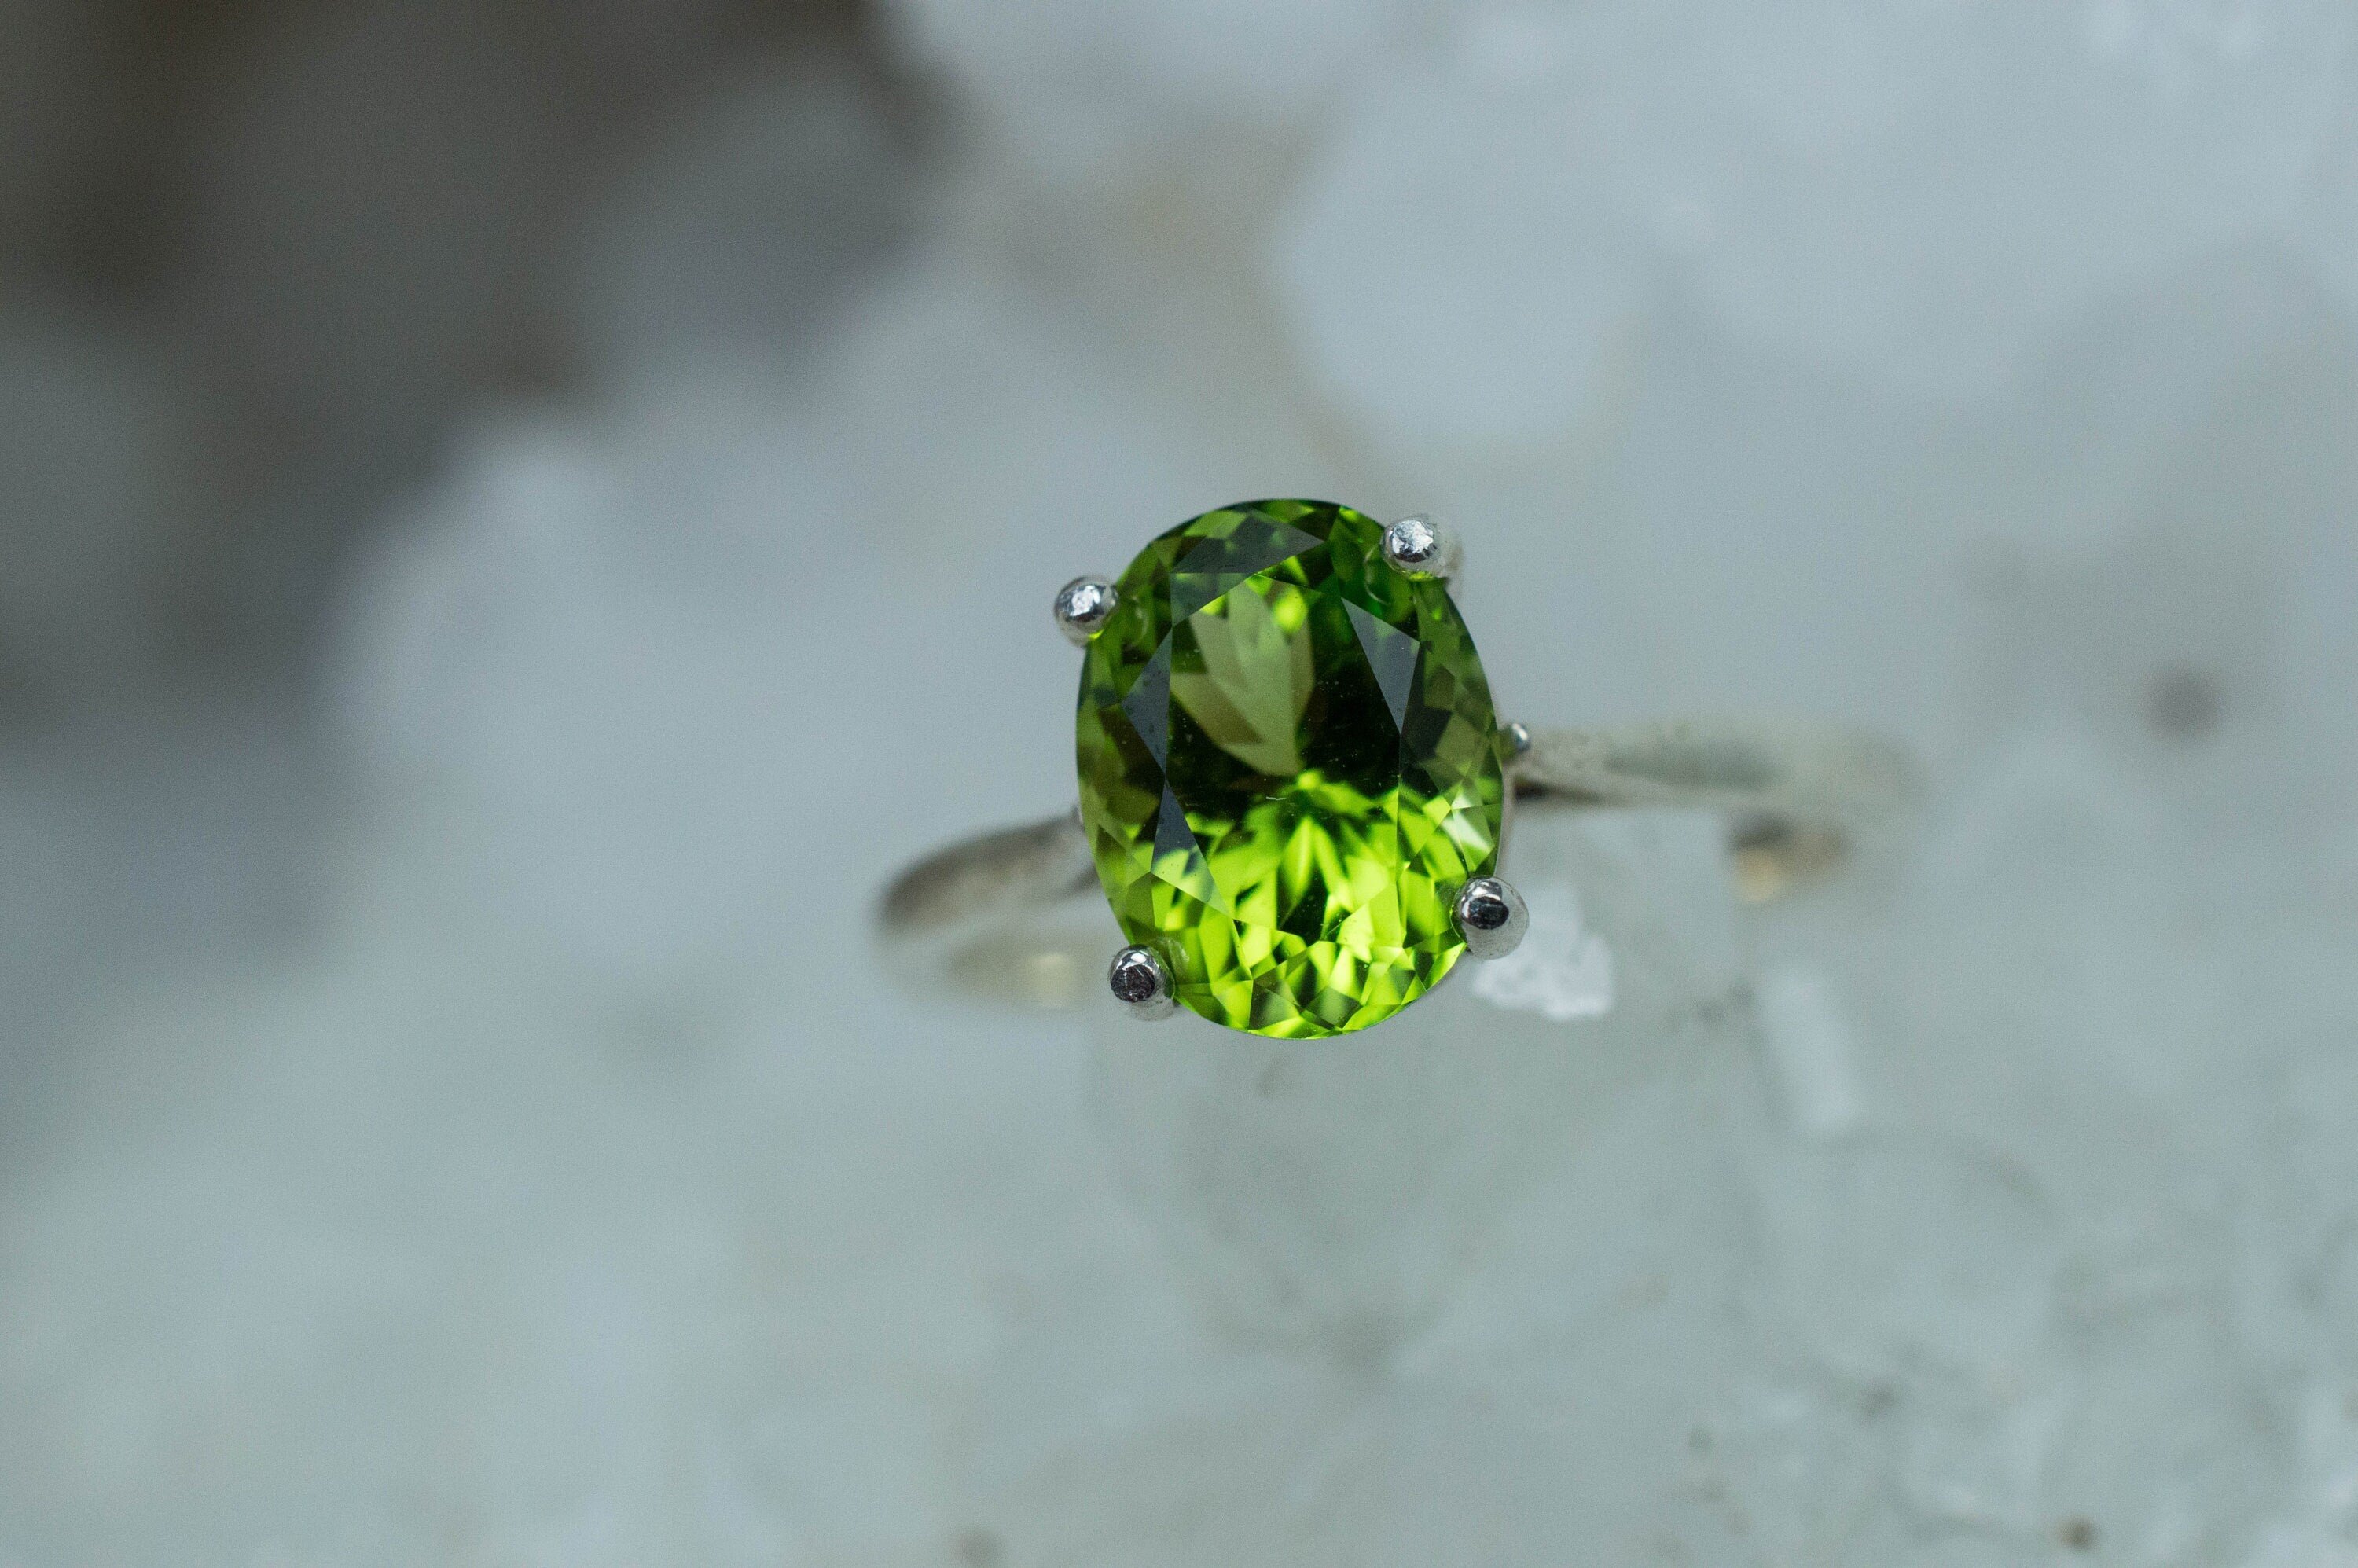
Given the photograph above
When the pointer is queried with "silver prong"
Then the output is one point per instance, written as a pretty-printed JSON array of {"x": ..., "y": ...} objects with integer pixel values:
[
  {"x": 1422, "y": 547},
  {"x": 1140, "y": 985},
  {"x": 1518, "y": 741},
  {"x": 1082, "y": 606},
  {"x": 1492, "y": 918}
]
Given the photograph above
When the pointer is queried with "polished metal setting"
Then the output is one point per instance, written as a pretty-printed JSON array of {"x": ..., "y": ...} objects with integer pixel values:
[
  {"x": 1083, "y": 606},
  {"x": 1422, "y": 547},
  {"x": 1518, "y": 741},
  {"x": 1139, "y": 983},
  {"x": 1492, "y": 918}
]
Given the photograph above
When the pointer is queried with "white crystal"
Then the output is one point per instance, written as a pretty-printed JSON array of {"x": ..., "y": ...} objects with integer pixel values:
[
  {"x": 1462, "y": 270},
  {"x": 1809, "y": 1042},
  {"x": 1562, "y": 971},
  {"x": 1973, "y": 178},
  {"x": 1095, "y": 91},
  {"x": 1923, "y": 196},
  {"x": 2329, "y": 235}
]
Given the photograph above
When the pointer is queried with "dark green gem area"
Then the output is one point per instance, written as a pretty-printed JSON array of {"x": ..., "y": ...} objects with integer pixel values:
[{"x": 1289, "y": 765}]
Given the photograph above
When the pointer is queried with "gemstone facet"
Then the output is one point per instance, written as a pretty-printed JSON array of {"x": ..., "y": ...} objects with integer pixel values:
[{"x": 1289, "y": 768}]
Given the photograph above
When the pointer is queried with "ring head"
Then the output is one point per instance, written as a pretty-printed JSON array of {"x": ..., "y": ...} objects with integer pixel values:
[{"x": 1290, "y": 767}]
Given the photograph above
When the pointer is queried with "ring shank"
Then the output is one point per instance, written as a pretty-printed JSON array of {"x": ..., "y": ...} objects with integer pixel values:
[{"x": 1002, "y": 914}]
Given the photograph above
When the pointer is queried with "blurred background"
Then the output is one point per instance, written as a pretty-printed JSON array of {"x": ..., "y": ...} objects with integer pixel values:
[{"x": 516, "y": 516}]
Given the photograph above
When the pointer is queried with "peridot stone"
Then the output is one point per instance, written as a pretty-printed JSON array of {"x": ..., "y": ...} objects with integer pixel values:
[{"x": 1289, "y": 766}]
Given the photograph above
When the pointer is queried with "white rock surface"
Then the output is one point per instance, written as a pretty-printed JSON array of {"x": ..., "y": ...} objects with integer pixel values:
[
  {"x": 2332, "y": 228},
  {"x": 1098, "y": 94},
  {"x": 578, "y": 1190},
  {"x": 1562, "y": 971},
  {"x": 1922, "y": 197},
  {"x": 1463, "y": 267},
  {"x": 1922, "y": 194}
]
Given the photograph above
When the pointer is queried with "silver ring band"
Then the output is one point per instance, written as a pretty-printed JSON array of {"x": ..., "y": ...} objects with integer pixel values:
[{"x": 1001, "y": 914}]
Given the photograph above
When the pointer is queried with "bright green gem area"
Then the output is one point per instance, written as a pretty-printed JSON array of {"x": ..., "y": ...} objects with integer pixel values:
[{"x": 1289, "y": 768}]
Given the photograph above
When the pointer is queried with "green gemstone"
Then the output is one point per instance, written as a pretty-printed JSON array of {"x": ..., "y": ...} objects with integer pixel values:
[{"x": 1288, "y": 767}]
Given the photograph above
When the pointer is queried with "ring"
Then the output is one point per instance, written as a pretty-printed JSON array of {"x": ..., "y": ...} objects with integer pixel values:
[{"x": 1296, "y": 793}]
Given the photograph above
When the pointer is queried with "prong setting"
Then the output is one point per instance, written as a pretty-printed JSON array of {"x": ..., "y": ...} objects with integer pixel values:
[
  {"x": 1492, "y": 918},
  {"x": 1519, "y": 742},
  {"x": 1138, "y": 982},
  {"x": 1083, "y": 605},
  {"x": 1424, "y": 548}
]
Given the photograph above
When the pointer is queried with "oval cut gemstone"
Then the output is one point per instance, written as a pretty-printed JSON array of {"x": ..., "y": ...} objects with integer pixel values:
[{"x": 1288, "y": 767}]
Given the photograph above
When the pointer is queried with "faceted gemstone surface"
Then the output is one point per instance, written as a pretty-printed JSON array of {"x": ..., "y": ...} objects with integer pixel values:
[{"x": 1289, "y": 766}]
